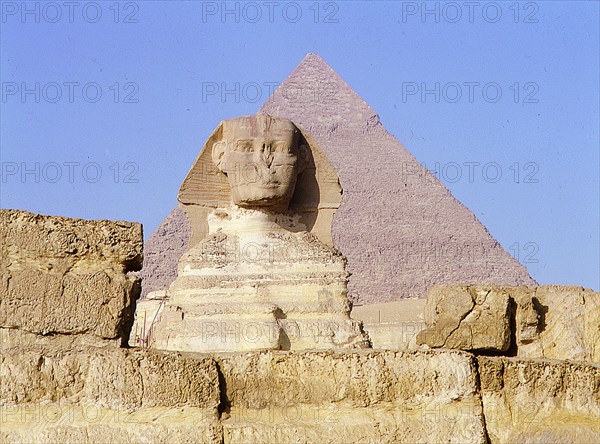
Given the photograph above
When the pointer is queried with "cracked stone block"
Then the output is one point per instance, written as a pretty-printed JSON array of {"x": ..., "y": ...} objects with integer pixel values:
[
  {"x": 467, "y": 317},
  {"x": 62, "y": 278}
]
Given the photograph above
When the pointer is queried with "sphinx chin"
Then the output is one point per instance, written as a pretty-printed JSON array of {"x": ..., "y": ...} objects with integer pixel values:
[
  {"x": 263, "y": 197},
  {"x": 266, "y": 205}
]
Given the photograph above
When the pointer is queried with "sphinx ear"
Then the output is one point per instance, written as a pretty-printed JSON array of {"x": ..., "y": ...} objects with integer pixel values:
[
  {"x": 218, "y": 155},
  {"x": 303, "y": 158}
]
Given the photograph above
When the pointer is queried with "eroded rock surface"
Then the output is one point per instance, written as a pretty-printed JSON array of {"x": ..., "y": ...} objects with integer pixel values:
[
  {"x": 95, "y": 394},
  {"x": 99, "y": 394},
  {"x": 107, "y": 395},
  {"x": 62, "y": 276},
  {"x": 568, "y": 323},
  {"x": 351, "y": 397},
  {"x": 259, "y": 274},
  {"x": 538, "y": 401}
]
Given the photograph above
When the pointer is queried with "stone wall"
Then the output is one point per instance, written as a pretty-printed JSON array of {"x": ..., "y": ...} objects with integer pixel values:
[
  {"x": 540, "y": 401},
  {"x": 65, "y": 376},
  {"x": 94, "y": 394},
  {"x": 108, "y": 394},
  {"x": 351, "y": 397}
]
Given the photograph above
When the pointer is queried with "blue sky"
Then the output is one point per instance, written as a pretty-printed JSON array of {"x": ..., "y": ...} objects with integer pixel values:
[{"x": 105, "y": 106}]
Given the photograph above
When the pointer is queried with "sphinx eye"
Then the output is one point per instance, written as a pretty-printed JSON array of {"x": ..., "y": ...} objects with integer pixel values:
[
  {"x": 244, "y": 146},
  {"x": 279, "y": 146}
]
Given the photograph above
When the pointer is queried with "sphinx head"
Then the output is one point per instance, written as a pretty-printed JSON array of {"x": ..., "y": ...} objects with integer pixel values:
[{"x": 261, "y": 156}]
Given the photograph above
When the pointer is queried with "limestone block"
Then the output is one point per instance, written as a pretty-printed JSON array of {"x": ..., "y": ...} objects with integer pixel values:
[
  {"x": 95, "y": 394},
  {"x": 468, "y": 318},
  {"x": 89, "y": 424},
  {"x": 355, "y": 396},
  {"x": 550, "y": 321},
  {"x": 12, "y": 338},
  {"x": 29, "y": 235},
  {"x": 79, "y": 301},
  {"x": 108, "y": 377},
  {"x": 568, "y": 323},
  {"x": 322, "y": 332},
  {"x": 61, "y": 276},
  {"x": 528, "y": 314},
  {"x": 539, "y": 401},
  {"x": 253, "y": 327}
]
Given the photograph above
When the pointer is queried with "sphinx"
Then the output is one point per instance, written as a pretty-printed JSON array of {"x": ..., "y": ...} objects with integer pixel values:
[{"x": 261, "y": 272}]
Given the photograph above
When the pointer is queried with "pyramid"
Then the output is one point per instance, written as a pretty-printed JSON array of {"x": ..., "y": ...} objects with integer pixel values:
[{"x": 400, "y": 228}]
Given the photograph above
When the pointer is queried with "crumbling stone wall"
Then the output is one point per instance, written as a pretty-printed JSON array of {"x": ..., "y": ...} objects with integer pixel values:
[
  {"x": 540, "y": 401},
  {"x": 117, "y": 395},
  {"x": 67, "y": 278},
  {"x": 66, "y": 378}
]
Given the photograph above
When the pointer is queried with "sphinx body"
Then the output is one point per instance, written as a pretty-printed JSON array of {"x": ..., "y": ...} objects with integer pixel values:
[{"x": 259, "y": 279}]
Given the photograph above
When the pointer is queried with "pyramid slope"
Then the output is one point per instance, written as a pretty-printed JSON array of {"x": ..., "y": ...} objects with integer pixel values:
[
  {"x": 400, "y": 228},
  {"x": 162, "y": 251}
]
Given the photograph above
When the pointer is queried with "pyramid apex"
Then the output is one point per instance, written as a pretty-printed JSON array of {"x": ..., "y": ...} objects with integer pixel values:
[
  {"x": 314, "y": 59},
  {"x": 315, "y": 89},
  {"x": 313, "y": 56}
]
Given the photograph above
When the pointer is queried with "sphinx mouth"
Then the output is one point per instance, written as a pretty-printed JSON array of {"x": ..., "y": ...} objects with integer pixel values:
[
  {"x": 270, "y": 184},
  {"x": 263, "y": 186}
]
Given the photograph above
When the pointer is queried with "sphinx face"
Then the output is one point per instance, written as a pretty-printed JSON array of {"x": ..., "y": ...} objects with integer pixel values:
[{"x": 259, "y": 154}]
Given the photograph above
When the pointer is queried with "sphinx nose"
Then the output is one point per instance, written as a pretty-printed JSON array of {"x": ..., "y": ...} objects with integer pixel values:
[{"x": 265, "y": 155}]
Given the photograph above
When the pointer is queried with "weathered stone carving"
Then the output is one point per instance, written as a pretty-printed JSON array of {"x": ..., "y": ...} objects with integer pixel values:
[
  {"x": 261, "y": 158},
  {"x": 316, "y": 189},
  {"x": 259, "y": 279}
]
